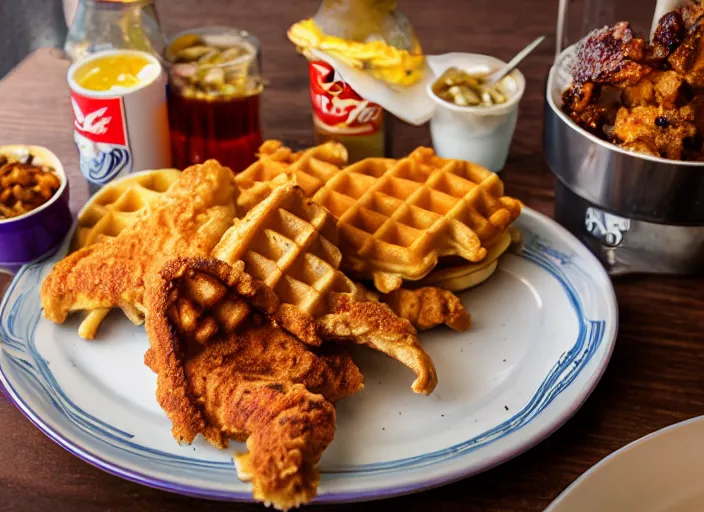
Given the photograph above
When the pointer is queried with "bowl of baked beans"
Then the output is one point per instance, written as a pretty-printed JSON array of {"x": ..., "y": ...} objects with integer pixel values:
[{"x": 34, "y": 210}]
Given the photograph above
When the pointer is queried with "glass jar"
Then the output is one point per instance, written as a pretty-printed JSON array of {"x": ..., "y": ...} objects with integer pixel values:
[
  {"x": 374, "y": 28},
  {"x": 114, "y": 24},
  {"x": 214, "y": 88}
]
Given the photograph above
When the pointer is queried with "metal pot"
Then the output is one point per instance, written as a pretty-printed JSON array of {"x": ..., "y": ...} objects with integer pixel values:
[{"x": 636, "y": 212}]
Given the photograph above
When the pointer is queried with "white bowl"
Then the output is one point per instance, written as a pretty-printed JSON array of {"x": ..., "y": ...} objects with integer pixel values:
[{"x": 661, "y": 472}]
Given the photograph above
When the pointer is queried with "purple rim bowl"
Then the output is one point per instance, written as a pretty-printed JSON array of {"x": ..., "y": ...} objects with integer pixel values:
[{"x": 40, "y": 232}]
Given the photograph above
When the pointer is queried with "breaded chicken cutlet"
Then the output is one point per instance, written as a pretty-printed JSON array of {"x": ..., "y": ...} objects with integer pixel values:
[
  {"x": 249, "y": 381},
  {"x": 188, "y": 220}
]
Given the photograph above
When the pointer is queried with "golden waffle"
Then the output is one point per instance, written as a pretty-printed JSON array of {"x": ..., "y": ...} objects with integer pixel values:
[
  {"x": 117, "y": 204},
  {"x": 464, "y": 276},
  {"x": 461, "y": 277},
  {"x": 309, "y": 169},
  {"x": 396, "y": 218},
  {"x": 289, "y": 243}
]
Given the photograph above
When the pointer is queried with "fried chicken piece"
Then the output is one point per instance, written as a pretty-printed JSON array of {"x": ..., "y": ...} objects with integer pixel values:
[
  {"x": 429, "y": 307},
  {"x": 639, "y": 94},
  {"x": 579, "y": 97},
  {"x": 188, "y": 220},
  {"x": 592, "y": 106},
  {"x": 369, "y": 323},
  {"x": 688, "y": 58},
  {"x": 290, "y": 243},
  {"x": 692, "y": 12},
  {"x": 287, "y": 429},
  {"x": 255, "y": 383},
  {"x": 669, "y": 87},
  {"x": 425, "y": 307},
  {"x": 659, "y": 111},
  {"x": 665, "y": 88},
  {"x": 663, "y": 132},
  {"x": 682, "y": 28},
  {"x": 349, "y": 318},
  {"x": 637, "y": 125},
  {"x": 580, "y": 103},
  {"x": 668, "y": 35},
  {"x": 610, "y": 55},
  {"x": 197, "y": 297},
  {"x": 606, "y": 58},
  {"x": 265, "y": 387}
]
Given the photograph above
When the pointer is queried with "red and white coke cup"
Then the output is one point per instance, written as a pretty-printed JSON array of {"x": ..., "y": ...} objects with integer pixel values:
[{"x": 121, "y": 130}]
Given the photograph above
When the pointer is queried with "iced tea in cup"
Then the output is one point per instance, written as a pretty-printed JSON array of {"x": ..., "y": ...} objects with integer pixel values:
[
  {"x": 120, "y": 116},
  {"x": 214, "y": 88}
]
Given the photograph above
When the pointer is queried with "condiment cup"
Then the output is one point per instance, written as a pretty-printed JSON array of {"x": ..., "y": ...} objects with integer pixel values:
[
  {"x": 39, "y": 232},
  {"x": 480, "y": 134}
]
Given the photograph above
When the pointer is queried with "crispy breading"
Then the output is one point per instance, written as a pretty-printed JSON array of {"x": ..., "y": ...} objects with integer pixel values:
[
  {"x": 425, "y": 307},
  {"x": 639, "y": 94},
  {"x": 248, "y": 381},
  {"x": 429, "y": 307},
  {"x": 349, "y": 317},
  {"x": 265, "y": 387},
  {"x": 290, "y": 428},
  {"x": 188, "y": 220},
  {"x": 688, "y": 58},
  {"x": 662, "y": 131},
  {"x": 290, "y": 243},
  {"x": 610, "y": 55},
  {"x": 369, "y": 323},
  {"x": 658, "y": 112}
]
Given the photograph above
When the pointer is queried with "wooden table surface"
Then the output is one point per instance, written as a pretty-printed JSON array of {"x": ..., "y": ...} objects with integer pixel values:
[{"x": 656, "y": 375}]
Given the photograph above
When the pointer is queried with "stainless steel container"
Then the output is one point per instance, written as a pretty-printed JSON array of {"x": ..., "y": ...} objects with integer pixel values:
[{"x": 636, "y": 212}]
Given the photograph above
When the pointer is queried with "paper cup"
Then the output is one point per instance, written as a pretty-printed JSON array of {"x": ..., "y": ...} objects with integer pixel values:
[{"x": 124, "y": 130}]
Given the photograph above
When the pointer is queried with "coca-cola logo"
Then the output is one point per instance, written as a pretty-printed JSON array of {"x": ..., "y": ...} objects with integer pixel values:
[
  {"x": 337, "y": 105},
  {"x": 347, "y": 111},
  {"x": 99, "y": 119},
  {"x": 95, "y": 122}
]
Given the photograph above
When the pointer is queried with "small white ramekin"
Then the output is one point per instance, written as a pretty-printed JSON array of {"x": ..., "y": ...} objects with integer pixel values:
[{"x": 481, "y": 135}]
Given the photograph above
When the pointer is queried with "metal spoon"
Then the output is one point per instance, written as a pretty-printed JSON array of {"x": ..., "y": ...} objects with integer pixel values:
[{"x": 498, "y": 75}]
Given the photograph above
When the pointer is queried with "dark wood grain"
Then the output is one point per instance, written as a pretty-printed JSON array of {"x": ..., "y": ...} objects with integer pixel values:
[{"x": 655, "y": 377}]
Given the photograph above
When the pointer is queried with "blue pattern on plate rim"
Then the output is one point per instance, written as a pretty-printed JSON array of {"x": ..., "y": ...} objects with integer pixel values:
[{"x": 17, "y": 340}]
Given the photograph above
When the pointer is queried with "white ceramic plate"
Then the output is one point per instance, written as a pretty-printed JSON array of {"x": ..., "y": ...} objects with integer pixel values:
[
  {"x": 544, "y": 328},
  {"x": 657, "y": 473}
]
